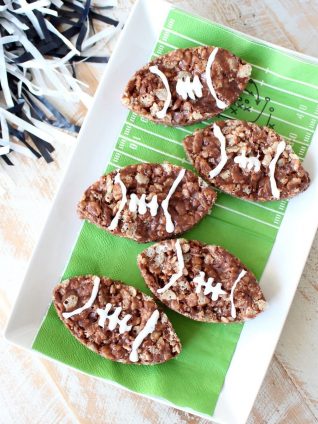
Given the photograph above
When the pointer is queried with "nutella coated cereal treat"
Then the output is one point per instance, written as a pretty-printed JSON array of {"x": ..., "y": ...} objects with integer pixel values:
[
  {"x": 247, "y": 161},
  {"x": 202, "y": 282},
  {"x": 187, "y": 85},
  {"x": 115, "y": 320},
  {"x": 147, "y": 202}
]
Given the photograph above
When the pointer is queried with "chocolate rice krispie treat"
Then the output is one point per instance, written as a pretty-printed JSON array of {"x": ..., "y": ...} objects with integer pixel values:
[
  {"x": 116, "y": 321},
  {"x": 202, "y": 282},
  {"x": 247, "y": 161},
  {"x": 147, "y": 202},
  {"x": 187, "y": 85}
]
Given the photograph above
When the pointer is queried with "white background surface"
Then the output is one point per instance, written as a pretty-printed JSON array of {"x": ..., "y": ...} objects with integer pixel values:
[{"x": 296, "y": 323}]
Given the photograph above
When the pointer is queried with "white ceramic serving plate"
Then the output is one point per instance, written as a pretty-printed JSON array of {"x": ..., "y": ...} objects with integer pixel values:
[{"x": 96, "y": 140}]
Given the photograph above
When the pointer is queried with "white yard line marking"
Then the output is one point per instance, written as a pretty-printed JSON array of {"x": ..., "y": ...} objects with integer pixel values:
[
  {"x": 246, "y": 216},
  {"x": 168, "y": 45},
  {"x": 238, "y": 35},
  {"x": 227, "y": 116},
  {"x": 154, "y": 149},
  {"x": 155, "y": 134},
  {"x": 286, "y": 106},
  {"x": 263, "y": 207},
  {"x": 285, "y": 91},
  {"x": 130, "y": 156},
  {"x": 261, "y": 82},
  {"x": 296, "y": 141},
  {"x": 283, "y": 120},
  {"x": 268, "y": 71},
  {"x": 259, "y": 205},
  {"x": 184, "y": 130},
  {"x": 185, "y": 37},
  {"x": 114, "y": 164}
]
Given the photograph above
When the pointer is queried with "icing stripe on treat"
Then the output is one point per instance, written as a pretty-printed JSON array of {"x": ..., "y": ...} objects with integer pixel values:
[
  {"x": 155, "y": 70},
  {"x": 142, "y": 205},
  {"x": 233, "y": 309},
  {"x": 187, "y": 88},
  {"x": 208, "y": 288},
  {"x": 220, "y": 104},
  {"x": 88, "y": 304},
  {"x": 113, "y": 319},
  {"x": 248, "y": 162},
  {"x": 218, "y": 134},
  {"x": 123, "y": 201},
  {"x": 165, "y": 202},
  {"x": 177, "y": 275},
  {"x": 272, "y": 166},
  {"x": 148, "y": 329}
]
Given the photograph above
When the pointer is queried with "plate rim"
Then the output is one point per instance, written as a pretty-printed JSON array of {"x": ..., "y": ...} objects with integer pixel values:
[{"x": 223, "y": 411}]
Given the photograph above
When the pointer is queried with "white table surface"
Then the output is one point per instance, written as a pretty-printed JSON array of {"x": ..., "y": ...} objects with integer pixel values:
[{"x": 34, "y": 390}]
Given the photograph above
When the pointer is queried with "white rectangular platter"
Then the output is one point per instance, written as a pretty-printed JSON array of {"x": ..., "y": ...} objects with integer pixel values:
[{"x": 96, "y": 140}]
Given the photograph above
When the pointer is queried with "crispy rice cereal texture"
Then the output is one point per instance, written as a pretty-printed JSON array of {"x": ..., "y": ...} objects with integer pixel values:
[
  {"x": 160, "y": 262},
  {"x": 189, "y": 203},
  {"x": 159, "y": 346},
  {"x": 260, "y": 143},
  {"x": 145, "y": 93}
]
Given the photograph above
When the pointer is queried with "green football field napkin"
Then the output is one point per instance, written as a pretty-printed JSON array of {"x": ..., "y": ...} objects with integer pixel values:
[{"x": 281, "y": 95}]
